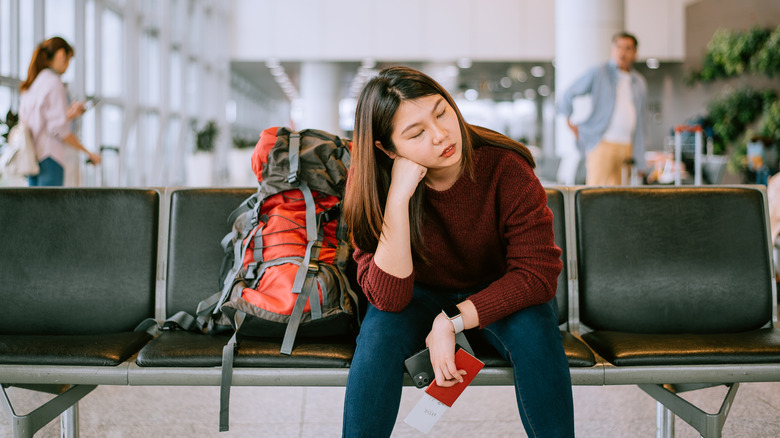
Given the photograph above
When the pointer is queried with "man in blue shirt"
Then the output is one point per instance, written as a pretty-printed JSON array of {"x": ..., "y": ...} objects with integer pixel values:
[{"x": 613, "y": 133}]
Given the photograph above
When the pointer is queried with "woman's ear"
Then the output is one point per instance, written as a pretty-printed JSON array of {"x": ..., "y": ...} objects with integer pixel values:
[{"x": 392, "y": 155}]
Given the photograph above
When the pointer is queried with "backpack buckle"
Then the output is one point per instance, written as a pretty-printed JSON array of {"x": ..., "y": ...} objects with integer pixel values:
[
  {"x": 331, "y": 213},
  {"x": 251, "y": 271}
]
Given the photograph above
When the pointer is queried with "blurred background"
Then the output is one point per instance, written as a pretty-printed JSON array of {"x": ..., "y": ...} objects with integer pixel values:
[{"x": 186, "y": 86}]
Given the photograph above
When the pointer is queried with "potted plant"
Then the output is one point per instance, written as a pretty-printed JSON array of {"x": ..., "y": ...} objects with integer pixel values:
[
  {"x": 11, "y": 119},
  {"x": 205, "y": 139},
  {"x": 734, "y": 115}
]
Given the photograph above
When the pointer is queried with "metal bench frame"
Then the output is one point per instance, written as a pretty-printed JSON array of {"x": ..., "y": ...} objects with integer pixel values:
[{"x": 663, "y": 383}]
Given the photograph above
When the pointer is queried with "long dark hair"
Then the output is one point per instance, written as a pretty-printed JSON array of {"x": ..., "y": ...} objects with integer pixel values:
[
  {"x": 370, "y": 171},
  {"x": 42, "y": 57}
]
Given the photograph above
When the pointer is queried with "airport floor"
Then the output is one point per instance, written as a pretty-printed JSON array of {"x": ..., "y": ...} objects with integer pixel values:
[{"x": 486, "y": 412}]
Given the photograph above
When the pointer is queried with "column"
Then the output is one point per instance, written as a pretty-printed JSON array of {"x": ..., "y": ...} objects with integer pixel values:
[
  {"x": 318, "y": 106},
  {"x": 583, "y": 35}
]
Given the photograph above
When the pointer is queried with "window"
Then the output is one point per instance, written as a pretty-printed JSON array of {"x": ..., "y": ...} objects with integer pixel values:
[
  {"x": 112, "y": 54},
  {"x": 26, "y": 41},
  {"x": 6, "y": 97},
  {"x": 175, "y": 84},
  {"x": 154, "y": 71},
  {"x": 90, "y": 51},
  {"x": 6, "y": 24},
  {"x": 150, "y": 73}
]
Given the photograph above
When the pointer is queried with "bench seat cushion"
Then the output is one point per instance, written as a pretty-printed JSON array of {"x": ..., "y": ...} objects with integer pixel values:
[
  {"x": 76, "y": 350},
  {"x": 187, "y": 349},
  {"x": 578, "y": 354},
  {"x": 633, "y": 349}
]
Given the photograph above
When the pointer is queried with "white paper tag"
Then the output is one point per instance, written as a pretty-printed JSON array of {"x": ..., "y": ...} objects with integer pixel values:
[{"x": 426, "y": 413}]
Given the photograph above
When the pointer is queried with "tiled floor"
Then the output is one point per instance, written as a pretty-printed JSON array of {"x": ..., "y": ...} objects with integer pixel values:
[{"x": 624, "y": 411}]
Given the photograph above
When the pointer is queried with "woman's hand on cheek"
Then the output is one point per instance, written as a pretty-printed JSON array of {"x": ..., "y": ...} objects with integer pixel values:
[
  {"x": 441, "y": 344},
  {"x": 406, "y": 175}
]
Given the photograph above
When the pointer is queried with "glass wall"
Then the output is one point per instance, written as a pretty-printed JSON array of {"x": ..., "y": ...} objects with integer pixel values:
[{"x": 151, "y": 65}]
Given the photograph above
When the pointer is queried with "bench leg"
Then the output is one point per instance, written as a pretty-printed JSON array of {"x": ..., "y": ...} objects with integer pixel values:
[
  {"x": 25, "y": 426},
  {"x": 664, "y": 422},
  {"x": 708, "y": 425},
  {"x": 69, "y": 422}
]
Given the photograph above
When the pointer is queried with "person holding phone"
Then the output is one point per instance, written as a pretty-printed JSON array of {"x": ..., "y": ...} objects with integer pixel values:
[
  {"x": 44, "y": 108},
  {"x": 91, "y": 103},
  {"x": 452, "y": 232}
]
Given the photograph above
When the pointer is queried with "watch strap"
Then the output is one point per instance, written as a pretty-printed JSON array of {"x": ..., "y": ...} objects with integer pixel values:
[{"x": 453, "y": 314}]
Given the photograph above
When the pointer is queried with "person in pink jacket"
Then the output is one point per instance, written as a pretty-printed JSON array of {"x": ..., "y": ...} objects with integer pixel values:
[{"x": 44, "y": 108}]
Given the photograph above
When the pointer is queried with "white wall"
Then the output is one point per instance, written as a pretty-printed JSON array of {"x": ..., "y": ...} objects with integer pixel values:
[
  {"x": 659, "y": 25},
  {"x": 410, "y": 30},
  {"x": 431, "y": 30}
]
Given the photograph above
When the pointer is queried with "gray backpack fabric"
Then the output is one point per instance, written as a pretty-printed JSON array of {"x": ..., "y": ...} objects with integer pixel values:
[{"x": 297, "y": 208}]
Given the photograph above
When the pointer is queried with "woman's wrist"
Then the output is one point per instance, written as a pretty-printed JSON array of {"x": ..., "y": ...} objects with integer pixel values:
[
  {"x": 452, "y": 313},
  {"x": 442, "y": 324},
  {"x": 396, "y": 199}
]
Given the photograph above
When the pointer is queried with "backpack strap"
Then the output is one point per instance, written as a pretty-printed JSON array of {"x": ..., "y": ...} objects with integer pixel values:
[
  {"x": 248, "y": 204},
  {"x": 239, "y": 250},
  {"x": 228, "y": 355},
  {"x": 342, "y": 242},
  {"x": 311, "y": 236},
  {"x": 205, "y": 307},
  {"x": 309, "y": 294},
  {"x": 226, "y": 270},
  {"x": 180, "y": 319},
  {"x": 294, "y": 157},
  {"x": 257, "y": 254},
  {"x": 304, "y": 284}
]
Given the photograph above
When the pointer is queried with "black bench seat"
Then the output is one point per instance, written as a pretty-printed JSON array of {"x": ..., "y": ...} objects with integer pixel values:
[
  {"x": 77, "y": 274},
  {"x": 198, "y": 223},
  {"x": 669, "y": 289},
  {"x": 109, "y": 349},
  {"x": 187, "y": 349},
  {"x": 677, "y": 280}
]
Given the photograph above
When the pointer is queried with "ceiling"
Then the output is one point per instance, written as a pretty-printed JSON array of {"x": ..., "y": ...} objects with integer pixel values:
[{"x": 499, "y": 81}]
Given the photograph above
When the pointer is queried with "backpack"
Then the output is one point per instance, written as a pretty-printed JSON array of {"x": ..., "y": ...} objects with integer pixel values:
[
  {"x": 18, "y": 157},
  {"x": 284, "y": 269}
]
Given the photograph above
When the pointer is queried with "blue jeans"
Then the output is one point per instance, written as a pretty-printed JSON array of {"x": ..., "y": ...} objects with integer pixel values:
[
  {"x": 529, "y": 339},
  {"x": 52, "y": 174}
]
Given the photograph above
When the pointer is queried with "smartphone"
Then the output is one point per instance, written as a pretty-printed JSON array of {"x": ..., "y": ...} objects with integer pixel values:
[
  {"x": 419, "y": 365},
  {"x": 90, "y": 103},
  {"x": 420, "y": 368}
]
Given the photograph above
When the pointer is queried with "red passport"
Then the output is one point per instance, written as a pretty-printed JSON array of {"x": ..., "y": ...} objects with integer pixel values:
[{"x": 464, "y": 361}]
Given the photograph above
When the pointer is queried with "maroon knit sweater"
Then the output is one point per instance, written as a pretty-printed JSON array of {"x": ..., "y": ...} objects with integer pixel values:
[{"x": 495, "y": 230}]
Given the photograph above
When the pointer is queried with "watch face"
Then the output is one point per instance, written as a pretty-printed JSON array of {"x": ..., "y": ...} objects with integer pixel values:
[{"x": 451, "y": 311}]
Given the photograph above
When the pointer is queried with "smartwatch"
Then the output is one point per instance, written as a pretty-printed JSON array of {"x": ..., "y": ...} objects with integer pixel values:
[{"x": 453, "y": 314}]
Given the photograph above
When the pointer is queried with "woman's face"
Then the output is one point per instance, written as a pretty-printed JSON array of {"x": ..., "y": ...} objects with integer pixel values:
[
  {"x": 60, "y": 61},
  {"x": 426, "y": 131}
]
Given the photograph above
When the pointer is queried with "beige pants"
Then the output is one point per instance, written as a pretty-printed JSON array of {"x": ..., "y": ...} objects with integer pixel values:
[{"x": 606, "y": 163}]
